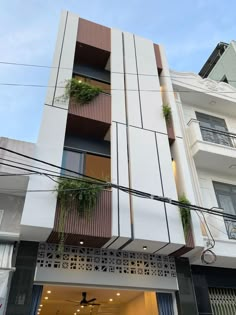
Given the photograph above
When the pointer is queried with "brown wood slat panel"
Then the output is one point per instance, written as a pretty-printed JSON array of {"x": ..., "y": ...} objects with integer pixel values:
[
  {"x": 158, "y": 58},
  {"x": 170, "y": 132},
  {"x": 98, "y": 109},
  {"x": 94, "y": 34},
  {"x": 87, "y": 227},
  {"x": 188, "y": 247}
]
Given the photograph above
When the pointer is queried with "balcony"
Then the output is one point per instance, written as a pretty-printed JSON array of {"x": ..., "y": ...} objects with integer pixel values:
[
  {"x": 98, "y": 109},
  {"x": 212, "y": 148},
  {"x": 94, "y": 229}
]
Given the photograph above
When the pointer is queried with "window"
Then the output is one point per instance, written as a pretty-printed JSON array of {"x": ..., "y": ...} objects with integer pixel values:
[
  {"x": 226, "y": 197},
  {"x": 213, "y": 129},
  {"x": 92, "y": 165},
  {"x": 74, "y": 161}
]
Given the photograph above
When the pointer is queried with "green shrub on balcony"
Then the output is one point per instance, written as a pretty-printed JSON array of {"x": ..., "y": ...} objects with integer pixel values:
[
  {"x": 185, "y": 214},
  {"x": 81, "y": 92},
  {"x": 75, "y": 194}
]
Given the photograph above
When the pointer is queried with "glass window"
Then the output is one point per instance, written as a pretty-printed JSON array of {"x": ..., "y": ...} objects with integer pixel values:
[
  {"x": 226, "y": 197},
  {"x": 73, "y": 161},
  {"x": 214, "y": 129}
]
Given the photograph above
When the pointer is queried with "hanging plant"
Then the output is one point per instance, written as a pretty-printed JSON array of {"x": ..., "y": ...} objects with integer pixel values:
[
  {"x": 81, "y": 92},
  {"x": 185, "y": 214},
  {"x": 75, "y": 194},
  {"x": 166, "y": 109}
]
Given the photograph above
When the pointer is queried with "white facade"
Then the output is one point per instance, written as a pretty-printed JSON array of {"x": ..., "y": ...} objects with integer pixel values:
[{"x": 209, "y": 162}]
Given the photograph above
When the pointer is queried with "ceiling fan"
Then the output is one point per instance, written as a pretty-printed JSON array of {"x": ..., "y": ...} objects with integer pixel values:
[{"x": 84, "y": 301}]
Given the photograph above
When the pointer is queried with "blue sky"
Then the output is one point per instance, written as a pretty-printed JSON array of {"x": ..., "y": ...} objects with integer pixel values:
[{"x": 188, "y": 29}]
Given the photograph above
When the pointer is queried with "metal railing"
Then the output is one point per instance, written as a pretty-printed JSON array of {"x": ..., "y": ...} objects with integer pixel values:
[
  {"x": 231, "y": 229},
  {"x": 217, "y": 136}
]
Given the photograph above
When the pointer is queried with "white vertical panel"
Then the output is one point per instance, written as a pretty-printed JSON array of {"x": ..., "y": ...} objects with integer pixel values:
[
  {"x": 132, "y": 93},
  {"x": 39, "y": 209},
  {"x": 114, "y": 174},
  {"x": 56, "y": 58},
  {"x": 168, "y": 181},
  {"x": 67, "y": 58},
  {"x": 185, "y": 185},
  {"x": 149, "y": 215},
  {"x": 145, "y": 56},
  {"x": 116, "y": 51},
  {"x": 118, "y": 112},
  {"x": 129, "y": 49},
  {"x": 168, "y": 94},
  {"x": 151, "y": 102},
  {"x": 124, "y": 203}
]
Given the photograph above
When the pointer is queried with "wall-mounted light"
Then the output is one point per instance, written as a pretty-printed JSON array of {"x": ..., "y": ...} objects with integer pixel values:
[{"x": 144, "y": 247}]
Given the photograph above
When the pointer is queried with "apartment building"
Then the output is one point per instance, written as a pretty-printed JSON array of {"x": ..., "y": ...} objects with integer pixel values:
[
  {"x": 130, "y": 252},
  {"x": 206, "y": 111}
]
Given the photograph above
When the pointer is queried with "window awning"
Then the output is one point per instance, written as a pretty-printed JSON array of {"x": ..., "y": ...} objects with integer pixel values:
[{"x": 6, "y": 251}]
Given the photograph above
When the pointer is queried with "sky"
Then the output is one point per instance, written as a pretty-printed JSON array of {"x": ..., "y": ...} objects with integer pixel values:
[{"x": 188, "y": 29}]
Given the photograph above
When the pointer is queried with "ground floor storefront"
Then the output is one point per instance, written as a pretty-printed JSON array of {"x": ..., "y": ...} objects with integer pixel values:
[{"x": 94, "y": 281}]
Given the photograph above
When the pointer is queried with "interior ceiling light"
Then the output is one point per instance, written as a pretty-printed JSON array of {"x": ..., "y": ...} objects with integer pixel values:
[
  {"x": 82, "y": 306},
  {"x": 46, "y": 297},
  {"x": 78, "y": 311},
  {"x": 41, "y": 305},
  {"x": 39, "y": 309},
  {"x": 49, "y": 292},
  {"x": 144, "y": 247},
  {"x": 110, "y": 300},
  {"x": 118, "y": 294}
]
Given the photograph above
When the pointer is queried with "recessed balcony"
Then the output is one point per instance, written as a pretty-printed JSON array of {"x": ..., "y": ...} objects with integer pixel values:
[
  {"x": 93, "y": 228},
  {"x": 212, "y": 149}
]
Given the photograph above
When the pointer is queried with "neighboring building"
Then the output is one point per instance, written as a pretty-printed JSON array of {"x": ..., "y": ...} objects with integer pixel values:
[
  {"x": 221, "y": 65},
  {"x": 207, "y": 117},
  {"x": 132, "y": 254}
]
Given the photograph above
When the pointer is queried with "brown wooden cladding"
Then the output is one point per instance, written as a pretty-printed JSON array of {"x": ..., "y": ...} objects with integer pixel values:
[
  {"x": 94, "y": 228},
  {"x": 98, "y": 109},
  {"x": 158, "y": 58},
  {"x": 189, "y": 244},
  {"x": 95, "y": 35},
  {"x": 170, "y": 131}
]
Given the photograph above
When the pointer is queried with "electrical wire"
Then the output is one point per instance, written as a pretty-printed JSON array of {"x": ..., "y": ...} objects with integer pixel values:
[
  {"x": 125, "y": 189},
  {"x": 116, "y": 72},
  {"x": 112, "y": 89}
]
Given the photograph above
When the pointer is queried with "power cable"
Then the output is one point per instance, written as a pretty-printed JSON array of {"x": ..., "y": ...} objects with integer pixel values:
[
  {"x": 50, "y": 164},
  {"x": 112, "y": 89},
  {"x": 116, "y": 72},
  {"x": 146, "y": 195},
  {"x": 125, "y": 189}
]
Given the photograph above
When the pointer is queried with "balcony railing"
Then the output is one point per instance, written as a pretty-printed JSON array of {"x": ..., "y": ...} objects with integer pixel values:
[
  {"x": 231, "y": 228},
  {"x": 212, "y": 135}
]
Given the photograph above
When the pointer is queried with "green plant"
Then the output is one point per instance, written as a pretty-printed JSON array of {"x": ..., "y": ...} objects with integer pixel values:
[
  {"x": 75, "y": 194},
  {"x": 166, "y": 109},
  {"x": 185, "y": 213},
  {"x": 81, "y": 92}
]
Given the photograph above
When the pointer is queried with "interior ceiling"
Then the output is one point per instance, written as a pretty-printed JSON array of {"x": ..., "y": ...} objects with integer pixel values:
[{"x": 58, "y": 303}]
